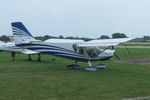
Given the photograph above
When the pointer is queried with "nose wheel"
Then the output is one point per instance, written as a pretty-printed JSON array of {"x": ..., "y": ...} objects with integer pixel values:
[{"x": 89, "y": 63}]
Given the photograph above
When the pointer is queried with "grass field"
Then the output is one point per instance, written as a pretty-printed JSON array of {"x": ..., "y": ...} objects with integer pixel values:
[
  {"x": 47, "y": 80},
  {"x": 135, "y": 52}
]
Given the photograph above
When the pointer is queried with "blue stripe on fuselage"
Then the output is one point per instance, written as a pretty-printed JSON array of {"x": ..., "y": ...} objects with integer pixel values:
[{"x": 68, "y": 53}]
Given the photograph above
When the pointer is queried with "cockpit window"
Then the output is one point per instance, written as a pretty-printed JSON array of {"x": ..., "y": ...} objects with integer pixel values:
[
  {"x": 81, "y": 51},
  {"x": 94, "y": 52},
  {"x": 75, "y": 47}
]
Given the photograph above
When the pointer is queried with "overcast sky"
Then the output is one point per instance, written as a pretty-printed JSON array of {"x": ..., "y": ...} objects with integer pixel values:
[{"x": 82, "y": 18}]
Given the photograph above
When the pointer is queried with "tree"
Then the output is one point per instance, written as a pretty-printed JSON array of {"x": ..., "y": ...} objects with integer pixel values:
[
  {"x": 39, "y": 38},
  {"x": 70, "y": 37},
  {"x": 61, "y": 37},
  {"x": 104, "y": 37},
  {"x": 4, "y": 38},
  {"x": 48, "y": 37},
  {"x": 85, "y": 39},
  {"x": 119, "y": 35},
  {"x": 146, "y": 37}
]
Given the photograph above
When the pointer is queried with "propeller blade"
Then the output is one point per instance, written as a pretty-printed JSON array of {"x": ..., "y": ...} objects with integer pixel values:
[
  {"x": 117, "y": 56},
  {"x": 115, "y": 53},
  {"x": 130, "y": 53}
]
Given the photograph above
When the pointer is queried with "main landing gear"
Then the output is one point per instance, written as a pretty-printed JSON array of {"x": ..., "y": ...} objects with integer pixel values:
[
  {"x": 39, "y": 57},
  {"x": 13, "y": 55},
  {"x": 90, "y": 68},
  {"x": 76, "y": 66},
  {"x": 73, "y": 66},
  {"x": 89, "y": 63},
  {"x": 29, "y": 58}
]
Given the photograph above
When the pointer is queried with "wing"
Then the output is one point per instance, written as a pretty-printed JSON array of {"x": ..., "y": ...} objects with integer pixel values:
[
  {"x": 104, "y": 42},
  {"x": 63, "y": 41}
]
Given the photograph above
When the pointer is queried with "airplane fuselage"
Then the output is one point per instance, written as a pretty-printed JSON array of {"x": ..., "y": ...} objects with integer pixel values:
[{"x": 65, "y": 50}]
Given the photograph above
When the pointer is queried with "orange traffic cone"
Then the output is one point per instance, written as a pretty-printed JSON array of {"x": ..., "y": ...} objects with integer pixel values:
[{"x": 146, "y": 64}]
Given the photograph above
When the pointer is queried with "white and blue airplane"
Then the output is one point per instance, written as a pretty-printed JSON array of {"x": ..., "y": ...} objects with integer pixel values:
[{"x": 77, "y": 50}]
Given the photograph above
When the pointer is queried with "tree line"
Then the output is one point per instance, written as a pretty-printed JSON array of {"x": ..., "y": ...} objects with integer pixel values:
[{"x": 43, "y": 38}]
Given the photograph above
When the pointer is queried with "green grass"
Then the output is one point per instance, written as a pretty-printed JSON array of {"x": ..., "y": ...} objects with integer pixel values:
[
  {"x": 47, "y": 80},
  {"x": 134, "y": 52}
]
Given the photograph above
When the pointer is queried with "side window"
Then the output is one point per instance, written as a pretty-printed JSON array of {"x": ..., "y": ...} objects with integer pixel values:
[
  {"x": 75, "y": 47},
  {"x": 81, "y": 51}
]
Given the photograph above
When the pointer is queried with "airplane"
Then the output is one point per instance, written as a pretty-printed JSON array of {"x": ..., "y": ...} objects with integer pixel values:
[
  {"x": 77, "y": 50},
  {"x": 11, "y": 47}
]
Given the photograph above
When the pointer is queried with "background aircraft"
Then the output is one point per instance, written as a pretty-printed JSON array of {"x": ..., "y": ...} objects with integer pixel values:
[
  {"x": 77, "y": 50},
  {"x": 11, "y": 47}
]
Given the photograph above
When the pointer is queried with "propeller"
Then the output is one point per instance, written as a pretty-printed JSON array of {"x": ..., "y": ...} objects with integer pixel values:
[
  {"x": 115, "y": 54},
  {"x": 127, "y": 51}
]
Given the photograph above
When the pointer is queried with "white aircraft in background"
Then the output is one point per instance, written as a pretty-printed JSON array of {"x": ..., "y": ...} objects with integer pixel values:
[
  {"x": 77, "y": 50},
  {"x": 11, "y": 47}
]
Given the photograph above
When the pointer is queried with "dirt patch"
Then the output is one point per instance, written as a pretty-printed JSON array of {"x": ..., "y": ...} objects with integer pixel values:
[{"x": 136, "y": 61}]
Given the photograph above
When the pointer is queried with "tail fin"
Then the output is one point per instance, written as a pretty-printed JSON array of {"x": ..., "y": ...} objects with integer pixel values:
[{"x": 21, "y": 34}]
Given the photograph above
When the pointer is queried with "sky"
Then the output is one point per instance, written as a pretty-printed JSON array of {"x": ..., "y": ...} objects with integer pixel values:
[{"x": 82, "y": 18}]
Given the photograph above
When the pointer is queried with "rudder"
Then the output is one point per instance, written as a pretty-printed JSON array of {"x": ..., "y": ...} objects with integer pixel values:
[{"x": 21, "y": 34}]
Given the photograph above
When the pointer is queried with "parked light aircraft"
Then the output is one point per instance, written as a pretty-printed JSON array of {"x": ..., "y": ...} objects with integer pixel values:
[
  {"x": 11, "y": 47},
  {"x": 77, "y": 50}
]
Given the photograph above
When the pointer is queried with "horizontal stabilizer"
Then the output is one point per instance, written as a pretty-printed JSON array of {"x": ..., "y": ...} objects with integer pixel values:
[{"x": 27, "y": 51}]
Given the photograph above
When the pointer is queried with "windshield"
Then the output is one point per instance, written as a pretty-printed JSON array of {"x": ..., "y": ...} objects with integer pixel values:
[{"x": 92, "y": 52}]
